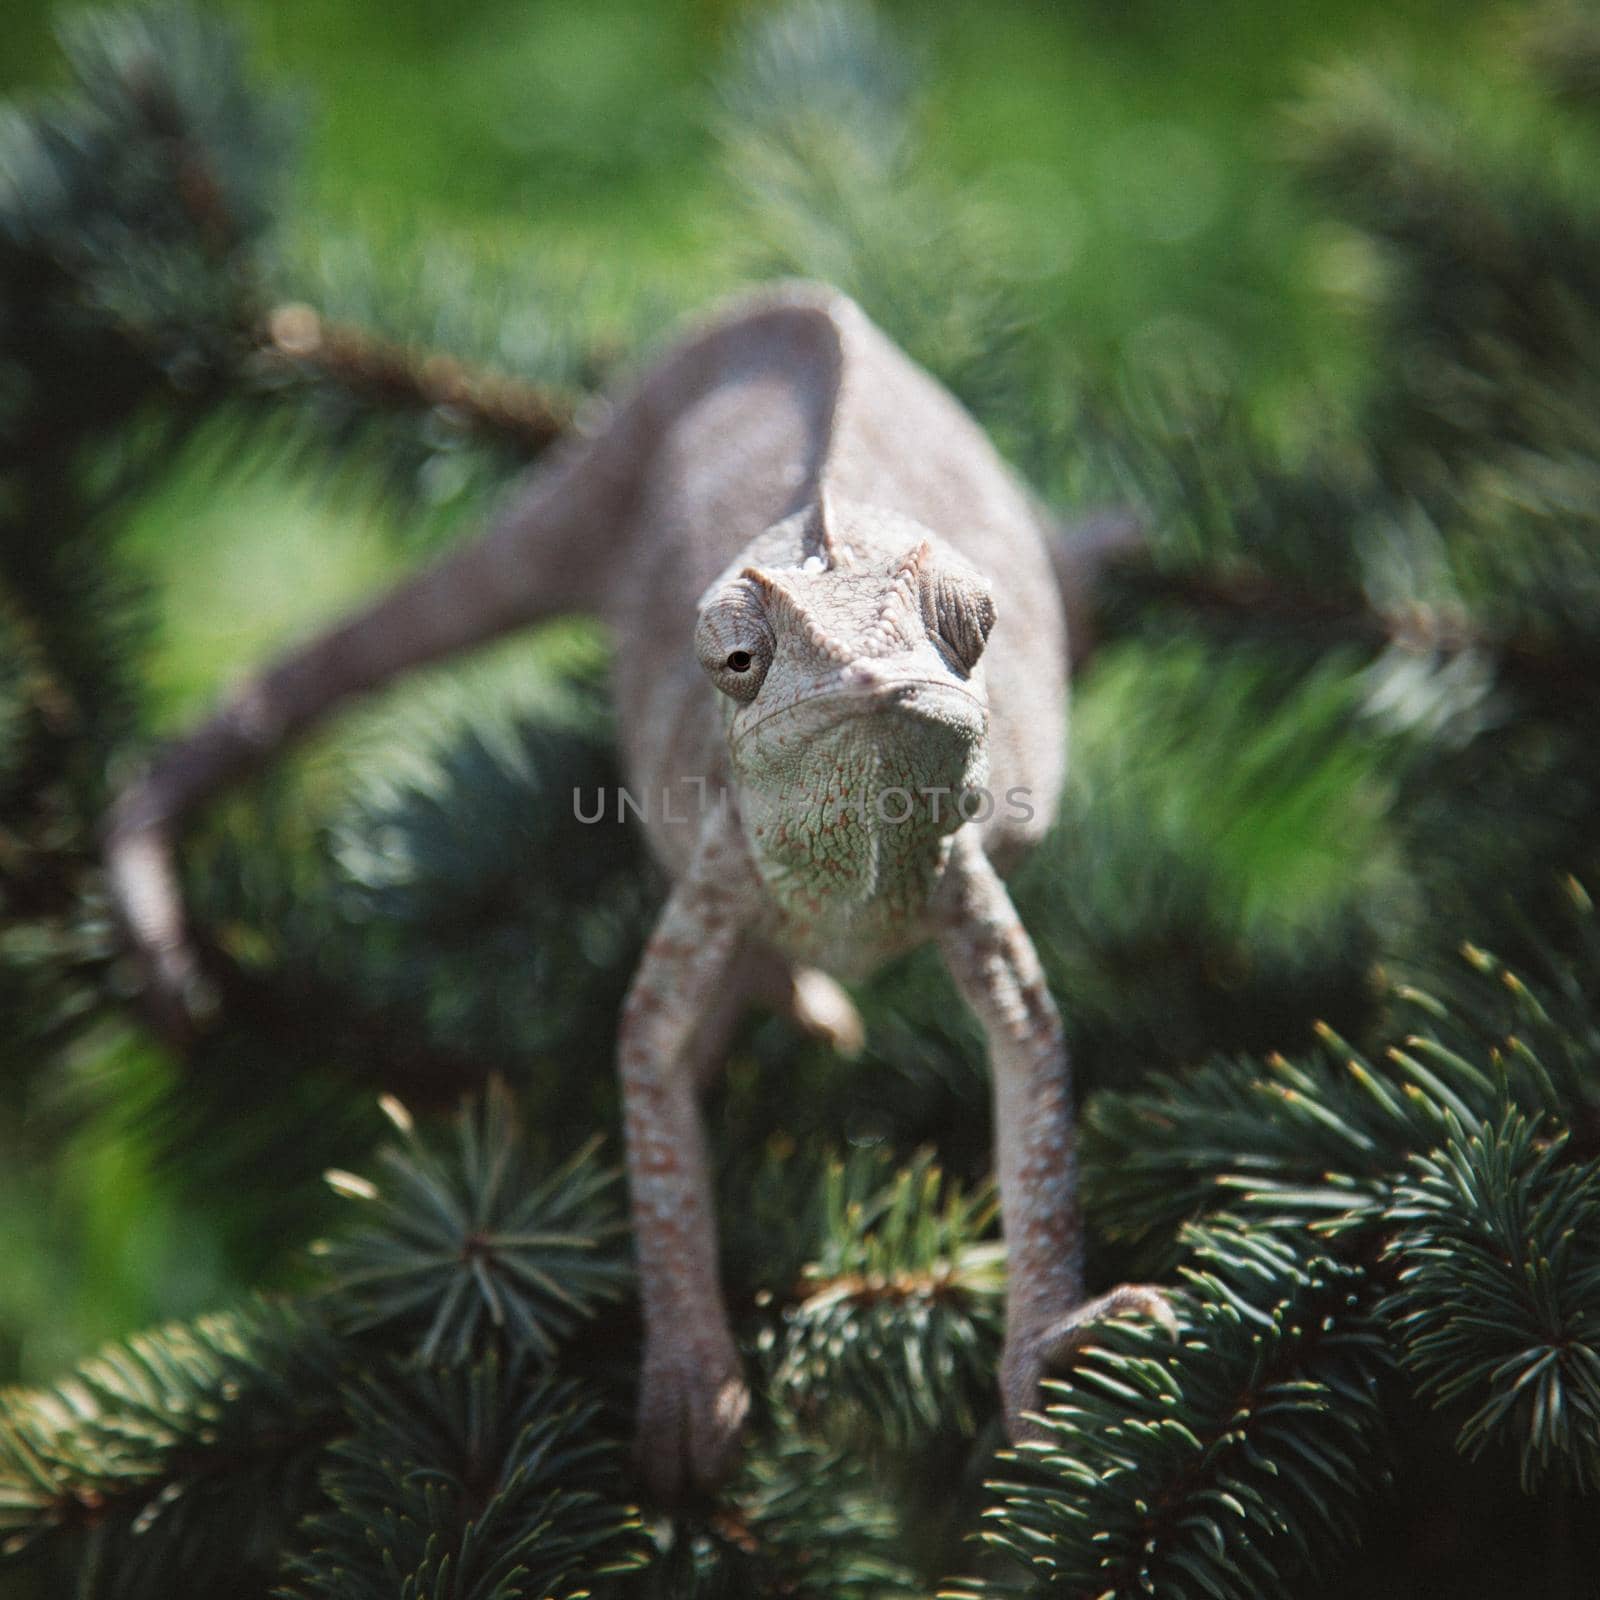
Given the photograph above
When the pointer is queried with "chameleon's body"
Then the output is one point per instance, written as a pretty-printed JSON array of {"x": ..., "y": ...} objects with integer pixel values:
[
  {"x": 838, "y": 633},
  {"x": 788, "y": 406}
]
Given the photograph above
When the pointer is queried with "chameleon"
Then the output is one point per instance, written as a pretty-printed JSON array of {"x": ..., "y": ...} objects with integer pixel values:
[{"x": 840, "y": 642}]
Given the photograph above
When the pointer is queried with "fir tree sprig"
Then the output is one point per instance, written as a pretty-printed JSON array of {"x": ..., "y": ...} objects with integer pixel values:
[
  {"x": 1491, "y": 312},
  {"x": 1221, "y": 1469},
  {"x": 382, "y": 374},
  {"x": 820, "y": 138},
  {"x": 466, "y": 1251},
  {"x": 1446, "y": 1166},
  {"x": 456, "y": 911},
  {"x": 802, "y": 1519},
  {"x": 897, "y": 1320},
  {"x": 1497, "y": 1299},
  {"x": 1326, "y": 1137},
  {"x": 191, "y": 1449},
  {"x": 468, "y": 1483}
]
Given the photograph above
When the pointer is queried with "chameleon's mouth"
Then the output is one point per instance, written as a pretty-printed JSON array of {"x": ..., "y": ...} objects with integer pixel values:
[{"x": 927, "y": 699}]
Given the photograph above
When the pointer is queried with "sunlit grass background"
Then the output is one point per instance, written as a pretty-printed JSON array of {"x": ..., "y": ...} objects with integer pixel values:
[{"x": 1128, "y": 152}]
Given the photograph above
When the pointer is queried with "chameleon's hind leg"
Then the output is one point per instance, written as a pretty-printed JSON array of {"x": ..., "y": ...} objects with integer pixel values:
[
  {"x": 819, "y": 1006},
  {"x": 759, "y": 976},
  {"x": 994, "y": 964}
]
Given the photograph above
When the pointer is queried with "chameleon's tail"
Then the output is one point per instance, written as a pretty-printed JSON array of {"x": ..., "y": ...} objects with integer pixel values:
[
  {"x": 537, "y": 559},
  {"x": 555, "y": 546}
]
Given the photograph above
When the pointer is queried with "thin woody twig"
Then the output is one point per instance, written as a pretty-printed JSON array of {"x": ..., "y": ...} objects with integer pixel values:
[
  {"x": 400, "y": 376},
  {"x": 1256, "y": 599}
]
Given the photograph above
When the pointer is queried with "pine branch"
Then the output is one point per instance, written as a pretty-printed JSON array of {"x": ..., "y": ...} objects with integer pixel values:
[
  {"x": 819, "y": 137},
  {"x": 481, "y": 1483},
  {"x": 1242, "y": 603},
  {"x": 896, "y": 1323},
  {"x": 136, "y": 212},
  {"x": 390, "y": 375},
  {"x": 139, "y": 240},
  {"x": 134, "y": 215},
  {"x": 1444, "y": 1168},
  {"x": 1224, "y": 867},
  {"x": 194, "y": 1450},
  {"x": 132, "y": 209},
  {"x": 456, "y": 910},
  {"x": 189, "y": 1451},
  {"x": 1325, "y": 1140},
  {"x": 1225, "y": 1468},
  {"x": 1497, "y": 1298},
  {"x": 1491, "y": 323},
  {"x": 466, "y": 1251},
  {"x": 802, "y": 1520},
  {"x": 453, "y": 921}
]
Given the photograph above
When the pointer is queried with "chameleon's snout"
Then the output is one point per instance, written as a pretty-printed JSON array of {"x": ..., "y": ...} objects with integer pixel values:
[
  {"x": 932, "y": 712},
  {"x": 867, "y": 677}
]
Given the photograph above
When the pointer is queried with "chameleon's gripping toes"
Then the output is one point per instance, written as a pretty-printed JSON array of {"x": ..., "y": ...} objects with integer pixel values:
[{"x": 840, "y": 648}]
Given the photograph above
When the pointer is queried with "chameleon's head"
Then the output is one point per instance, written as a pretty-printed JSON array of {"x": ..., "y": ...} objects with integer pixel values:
[{"x": 850, "y": 673}]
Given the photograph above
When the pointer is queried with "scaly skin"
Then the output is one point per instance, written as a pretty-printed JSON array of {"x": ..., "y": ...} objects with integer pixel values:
[{"x": 838, "y": 630}]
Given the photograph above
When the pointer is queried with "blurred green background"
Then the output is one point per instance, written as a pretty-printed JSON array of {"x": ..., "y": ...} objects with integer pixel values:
[{"x": 1126, "y": 150}]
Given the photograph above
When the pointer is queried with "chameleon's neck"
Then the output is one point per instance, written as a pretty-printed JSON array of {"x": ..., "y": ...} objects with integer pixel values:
[{"x": 868, "y": 834}]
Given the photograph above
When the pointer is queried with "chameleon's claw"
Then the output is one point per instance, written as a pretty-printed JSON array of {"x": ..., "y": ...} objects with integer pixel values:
[
  {"x": 1027, "y": 1362},
  {"x": 692, "y": 1409}
]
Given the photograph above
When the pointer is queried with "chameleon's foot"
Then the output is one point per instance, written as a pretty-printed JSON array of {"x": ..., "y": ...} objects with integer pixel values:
[
  {"x": 1029, "y": 1359},
  {"x": 821, "y": 1008},
  {"x": 692, "y": 1407}
]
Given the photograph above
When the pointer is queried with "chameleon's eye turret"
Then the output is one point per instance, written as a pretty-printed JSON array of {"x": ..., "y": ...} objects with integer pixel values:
[
  {"x": 734, "y": 641},
  {"x": 958, "y": 610}
]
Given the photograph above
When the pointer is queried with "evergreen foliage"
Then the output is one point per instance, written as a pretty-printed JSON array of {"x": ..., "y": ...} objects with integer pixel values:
[
  {"x": 1223, "y": 1469},
  {"x": 1318, "y": 911},
  {"x": 1483, "y": 1313},
  {"x": 899, "y": 1324},
  {"x": 183, "y": 1451},
  {"x": 503, "y": 1491},
  {"x": 475, "y": 1253}
]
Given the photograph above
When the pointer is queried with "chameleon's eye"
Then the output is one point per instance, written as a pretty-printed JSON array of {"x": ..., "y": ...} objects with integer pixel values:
[
  {"x": 959, "y": 609},
  {"x": 734, "y": 641}
]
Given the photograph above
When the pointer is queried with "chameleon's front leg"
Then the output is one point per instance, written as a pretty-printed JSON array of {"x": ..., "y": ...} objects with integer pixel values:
[
  {"x": 692, "y": 1397},
  {"x": 994, "y": 964}
]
